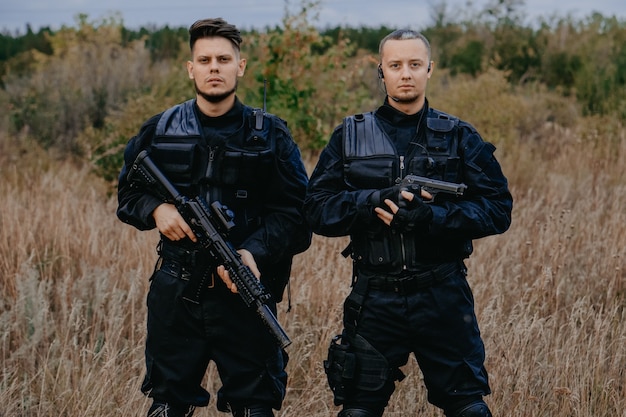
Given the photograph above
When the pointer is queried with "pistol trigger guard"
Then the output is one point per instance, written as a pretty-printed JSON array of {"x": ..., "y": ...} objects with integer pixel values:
[{"x": 429, "y": 191}]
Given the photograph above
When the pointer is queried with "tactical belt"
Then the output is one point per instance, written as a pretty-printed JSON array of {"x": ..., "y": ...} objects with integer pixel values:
[
  {"x": 186, "y": 257},
  {"x": 174, "y": 268},
  {"x": 189, "y": 265},
  {"x": 413, "y": 283}
]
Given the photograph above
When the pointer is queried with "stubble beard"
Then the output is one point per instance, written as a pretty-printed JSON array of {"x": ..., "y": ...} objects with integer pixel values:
[
  {"x": 407, "y": 98},
  {"x": 218, "y": 97}
]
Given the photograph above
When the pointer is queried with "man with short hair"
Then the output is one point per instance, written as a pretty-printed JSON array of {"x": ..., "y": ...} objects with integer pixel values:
[
  {"x": 219, "y": 148},
  {"x": 409, "y": 293}
]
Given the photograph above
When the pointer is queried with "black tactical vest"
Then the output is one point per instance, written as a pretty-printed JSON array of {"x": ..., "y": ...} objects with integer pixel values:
[
  {"x": 234, "y": 171},
  {"x": 371, "y": 159},
  {"x": 372, "y": 162}
]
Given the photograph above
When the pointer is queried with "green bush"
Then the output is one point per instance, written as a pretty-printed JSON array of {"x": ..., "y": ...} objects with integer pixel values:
[{"x": 88, "y": 74}]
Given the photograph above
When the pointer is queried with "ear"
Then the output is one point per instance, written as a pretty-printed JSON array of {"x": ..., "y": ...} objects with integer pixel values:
[
  {"x": 190, "y": 69},
  {"x": 431, "y": 67},
  {"x": 242, "y": 67}
]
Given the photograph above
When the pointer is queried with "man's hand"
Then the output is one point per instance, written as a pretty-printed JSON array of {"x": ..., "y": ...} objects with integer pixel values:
[
  {"x": 378, "y": 197},
  {"x": 248, "y": 260},
  {"x": 405, "y": 219},
  {"x": 171, "y": 224}
]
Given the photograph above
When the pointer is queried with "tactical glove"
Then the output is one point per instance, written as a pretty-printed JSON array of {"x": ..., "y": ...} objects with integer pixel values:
[
  {"x": 378, "y": 197},
  {"x": 414, "y": 215}
]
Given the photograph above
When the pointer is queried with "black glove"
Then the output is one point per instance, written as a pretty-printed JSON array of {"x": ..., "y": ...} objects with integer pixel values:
[
  {"x": 378, "y": 197},
  {"x": 414, "y": 215}
]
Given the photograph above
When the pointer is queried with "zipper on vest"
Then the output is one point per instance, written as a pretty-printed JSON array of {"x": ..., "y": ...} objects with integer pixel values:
[
  {"x": 209, "y": 166},
  {"x": 404, "y": 267},
  {"x": 211, "y": 190},
  {"x": 402, "y": 247}
]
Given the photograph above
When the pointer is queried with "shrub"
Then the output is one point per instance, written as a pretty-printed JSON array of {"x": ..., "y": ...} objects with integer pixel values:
[{"x": 88, "y": 75}]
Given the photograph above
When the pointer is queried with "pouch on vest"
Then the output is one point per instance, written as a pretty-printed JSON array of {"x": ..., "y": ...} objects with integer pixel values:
[
  {"x": 439, "y": 158},
  {"x": 245, "y": 168},
  {"x": 180, "y": 160},
  {"x": 375, "y": 173},
  {"x": 374, "y": 249}
]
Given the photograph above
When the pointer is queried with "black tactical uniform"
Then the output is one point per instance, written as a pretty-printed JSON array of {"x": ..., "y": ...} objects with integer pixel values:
[
  {"x": 247, "y": 160},
  {"x": 410, "y": 292}
]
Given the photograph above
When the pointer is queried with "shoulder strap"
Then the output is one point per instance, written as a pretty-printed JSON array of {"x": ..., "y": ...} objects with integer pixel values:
[
  {"x": 363, "y": 136},
  {"x": 179, "y": 120},
  {"x": 442, "y": 134}
]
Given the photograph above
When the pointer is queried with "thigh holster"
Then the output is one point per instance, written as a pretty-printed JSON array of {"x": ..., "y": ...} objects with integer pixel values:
[{"x": 353, "y": 363}]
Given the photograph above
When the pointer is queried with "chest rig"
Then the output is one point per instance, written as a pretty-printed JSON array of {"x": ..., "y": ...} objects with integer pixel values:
[
  {"x": 233, "y": 169},
  {"x": 372, "y": 161}
]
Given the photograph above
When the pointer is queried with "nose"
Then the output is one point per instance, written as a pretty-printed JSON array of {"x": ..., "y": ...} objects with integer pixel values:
[{"x": 405, "y": 72}]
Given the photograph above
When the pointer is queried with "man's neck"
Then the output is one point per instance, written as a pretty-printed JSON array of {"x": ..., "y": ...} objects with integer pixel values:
[{"x": 215, "y": 109}]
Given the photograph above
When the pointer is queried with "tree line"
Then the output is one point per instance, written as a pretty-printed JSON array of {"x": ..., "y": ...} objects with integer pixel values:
[
  {"x": 585, "y": 58},
  {"x": 83, "y": 89}
]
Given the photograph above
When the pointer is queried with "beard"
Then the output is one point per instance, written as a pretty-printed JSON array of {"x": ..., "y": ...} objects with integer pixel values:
[
  {"x": 216, "y": 97},
  {"x": 406, "y": 98}
]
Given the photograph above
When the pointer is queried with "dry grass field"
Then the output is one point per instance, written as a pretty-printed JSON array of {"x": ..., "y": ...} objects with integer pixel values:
[{"x": 550, "y": 292}]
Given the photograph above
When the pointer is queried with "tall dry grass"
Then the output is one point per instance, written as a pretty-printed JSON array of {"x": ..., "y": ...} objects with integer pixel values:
[{"x": 550, "y": 292}]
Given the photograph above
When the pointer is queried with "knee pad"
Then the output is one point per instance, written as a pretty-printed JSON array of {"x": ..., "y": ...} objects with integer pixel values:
[
  {"x": 357, "y": 412},
  {"x": 253, "y": 411},
  {"x": 476, "y": 409},
  {"x": 159, "y": 409}
]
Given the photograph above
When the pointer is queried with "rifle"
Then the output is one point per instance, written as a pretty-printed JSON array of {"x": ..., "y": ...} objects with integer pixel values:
[
  {"x": 211, "y": 224},
  {"x": 415, "y": 183}
]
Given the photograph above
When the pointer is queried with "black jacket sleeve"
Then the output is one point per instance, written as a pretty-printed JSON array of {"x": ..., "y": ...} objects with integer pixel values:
[
  {"x": 284, "y": 231},
  {"x": 486, "y": 207},
  {"x": 135, "y": 205},
  {"x": 332, "y": 208}
]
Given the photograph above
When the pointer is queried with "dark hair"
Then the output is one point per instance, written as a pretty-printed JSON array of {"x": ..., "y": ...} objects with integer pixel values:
[
  {"x": 402, "y": 34},
  {"x": 207, "y": 28}
]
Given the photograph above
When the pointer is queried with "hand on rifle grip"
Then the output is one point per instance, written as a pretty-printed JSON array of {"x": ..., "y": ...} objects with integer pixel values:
[{"x": 171, "y": 224}]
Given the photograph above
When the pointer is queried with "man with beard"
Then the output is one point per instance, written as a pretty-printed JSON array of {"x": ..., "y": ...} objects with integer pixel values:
[
  {"x": 409, "y": 288},
  {"x": 219, "y": 148}
]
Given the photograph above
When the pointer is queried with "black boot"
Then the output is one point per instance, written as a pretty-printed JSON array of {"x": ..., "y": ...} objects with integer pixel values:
[
  {"x": 253, "y": 411},
  {"x": 159, "y": 409},
  {"x": 356, "y": 412},
  {"x": 476, "y": 409}
]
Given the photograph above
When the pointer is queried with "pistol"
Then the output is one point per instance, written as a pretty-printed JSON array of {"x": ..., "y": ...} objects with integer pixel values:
[{"x": 415, "y": 183}]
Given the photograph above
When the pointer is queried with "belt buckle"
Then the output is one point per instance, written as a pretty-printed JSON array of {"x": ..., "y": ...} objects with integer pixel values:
[
  {"x": 399, "y": 285},
  {"x": 408, "y": 284}
]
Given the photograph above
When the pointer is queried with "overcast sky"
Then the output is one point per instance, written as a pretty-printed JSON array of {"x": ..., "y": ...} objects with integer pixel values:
[{"x": 247, "y": 14}]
